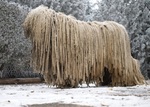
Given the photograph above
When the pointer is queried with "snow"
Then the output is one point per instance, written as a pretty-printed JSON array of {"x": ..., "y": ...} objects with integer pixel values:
[{"x": 22, "y": 95}]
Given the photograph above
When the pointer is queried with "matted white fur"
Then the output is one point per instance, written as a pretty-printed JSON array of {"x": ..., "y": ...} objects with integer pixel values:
[{"x": 68, "y": 51}]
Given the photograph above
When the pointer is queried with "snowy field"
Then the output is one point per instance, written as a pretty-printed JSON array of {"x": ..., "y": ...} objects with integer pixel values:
[{"x": 28, "y": 94}]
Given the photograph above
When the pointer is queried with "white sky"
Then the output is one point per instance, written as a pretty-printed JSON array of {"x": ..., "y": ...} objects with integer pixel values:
[{"x": 94, "y": 1}]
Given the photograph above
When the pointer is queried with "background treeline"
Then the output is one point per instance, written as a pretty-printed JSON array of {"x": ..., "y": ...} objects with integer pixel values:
[{"x": 15, "y": 49}]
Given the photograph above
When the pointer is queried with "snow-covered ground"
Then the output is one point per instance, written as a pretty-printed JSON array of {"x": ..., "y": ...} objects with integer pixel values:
[{"x": 19, "y": 95}]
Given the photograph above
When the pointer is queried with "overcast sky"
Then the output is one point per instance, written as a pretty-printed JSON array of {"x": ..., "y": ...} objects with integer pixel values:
[{"x": 94, "y": 1}]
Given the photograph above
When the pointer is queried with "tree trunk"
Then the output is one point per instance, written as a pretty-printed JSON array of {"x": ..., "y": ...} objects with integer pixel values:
[{"x": 20, "y": 81}]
